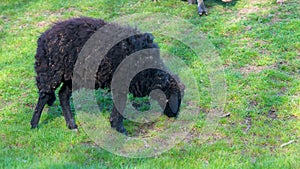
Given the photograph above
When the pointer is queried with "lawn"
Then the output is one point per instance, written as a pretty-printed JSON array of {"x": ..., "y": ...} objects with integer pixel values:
[{"x": 258, "y": 47}]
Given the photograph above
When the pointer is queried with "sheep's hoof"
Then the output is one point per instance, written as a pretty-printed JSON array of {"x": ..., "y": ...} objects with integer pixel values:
[
  {"x": 34, "y": 126},
  {"x": 125, "y": 133},
  {"x": 203, "y": 13},
  {"x": 72, "y": 126},
  {"x": 122, "y": 130}
]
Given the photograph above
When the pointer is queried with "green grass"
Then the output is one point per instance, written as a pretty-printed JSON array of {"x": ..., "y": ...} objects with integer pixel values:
[{"x": 258, "y": 42}]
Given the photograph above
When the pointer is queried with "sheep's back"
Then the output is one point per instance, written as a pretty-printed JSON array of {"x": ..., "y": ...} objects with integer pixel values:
[{"x": 58, "y": 49}]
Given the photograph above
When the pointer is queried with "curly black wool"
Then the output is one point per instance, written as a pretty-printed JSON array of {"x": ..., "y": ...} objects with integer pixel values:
[{"x": 56, "y": 55}]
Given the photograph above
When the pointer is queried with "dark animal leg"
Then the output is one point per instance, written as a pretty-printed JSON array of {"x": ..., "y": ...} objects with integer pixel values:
[
  {"x": 64, "y": 98},
  {"x": 116, "y": 121},
  {"x": 43, "y": 99},
  {"x": 201, "y": 8}
]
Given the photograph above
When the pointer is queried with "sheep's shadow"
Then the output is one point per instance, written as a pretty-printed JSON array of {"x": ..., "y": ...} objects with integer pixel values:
[{"x": 104, "y": 102}]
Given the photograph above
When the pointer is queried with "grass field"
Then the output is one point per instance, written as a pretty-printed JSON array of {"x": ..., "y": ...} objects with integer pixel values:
[{"x": 258, "y": 42}]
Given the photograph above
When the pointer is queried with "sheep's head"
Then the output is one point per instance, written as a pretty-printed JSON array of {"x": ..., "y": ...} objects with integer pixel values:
[
  {"x": 169, "y": 84},
  {"x": 175, "y": 93},
  {"x": 167, "y": 90}
]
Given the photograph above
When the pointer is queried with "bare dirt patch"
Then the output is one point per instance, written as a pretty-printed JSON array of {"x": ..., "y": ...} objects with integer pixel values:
[
  {"x": 253, "y": 7},
  {"x": 254, "y": 69},
  {"x": 42, "y": 24}
]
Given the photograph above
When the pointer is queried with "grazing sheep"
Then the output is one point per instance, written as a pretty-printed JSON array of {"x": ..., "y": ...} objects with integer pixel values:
[
  {"x": 201, "y": 7},
  {"x": 57, "y": 52},
  {"x": 202, "y": 10}
]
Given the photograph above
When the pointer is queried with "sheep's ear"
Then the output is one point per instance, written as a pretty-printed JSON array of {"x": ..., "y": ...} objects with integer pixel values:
[{"x": 174, "y": 102}]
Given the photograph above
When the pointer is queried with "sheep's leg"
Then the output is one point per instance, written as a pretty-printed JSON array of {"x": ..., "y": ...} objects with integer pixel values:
[
  {"x": 116, "y": 121},
  {"x": 64, "y": 98},
  {"x": 201, "y": 8},
  {"x": 43, "y": 99},
  {"x": 192, "y": 1}
]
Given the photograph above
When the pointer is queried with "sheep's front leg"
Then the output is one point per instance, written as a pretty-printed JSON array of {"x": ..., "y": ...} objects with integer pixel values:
[
  {"x": 64, "y": 98},
  {"x": 201, "y": 8},
  {"x": 116, "y": 121},
  {"x": 43, "y": 99}
]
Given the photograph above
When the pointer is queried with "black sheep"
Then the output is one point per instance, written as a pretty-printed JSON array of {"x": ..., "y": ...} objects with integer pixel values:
[{"x": 57, "y": 52}]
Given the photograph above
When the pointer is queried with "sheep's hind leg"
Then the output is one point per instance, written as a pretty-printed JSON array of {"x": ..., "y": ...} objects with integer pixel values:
[
  {"x": 116, "y": 121},
  {"x": 43, "y": 99},
  {"x": 201, "y": 8},
  {"x": 64, "y": 98}
]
